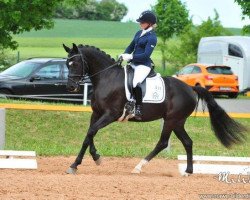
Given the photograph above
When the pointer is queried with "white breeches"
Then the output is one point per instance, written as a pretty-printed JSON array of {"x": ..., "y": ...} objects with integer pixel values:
[{"x": 141, "y": 72}]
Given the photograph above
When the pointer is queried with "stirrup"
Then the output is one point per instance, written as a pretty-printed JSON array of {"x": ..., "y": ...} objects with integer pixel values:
[{"x": 138, "y": 112}]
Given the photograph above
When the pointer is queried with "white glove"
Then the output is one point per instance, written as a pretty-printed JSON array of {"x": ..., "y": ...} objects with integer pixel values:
[{"x": 126, "y": 56}]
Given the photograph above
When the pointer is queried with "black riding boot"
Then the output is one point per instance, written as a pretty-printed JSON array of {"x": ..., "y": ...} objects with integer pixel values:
[{"x": 138, "y": 104}]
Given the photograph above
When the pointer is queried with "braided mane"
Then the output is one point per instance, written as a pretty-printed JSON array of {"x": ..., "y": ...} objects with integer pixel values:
[{"x": 97, "y": 50}]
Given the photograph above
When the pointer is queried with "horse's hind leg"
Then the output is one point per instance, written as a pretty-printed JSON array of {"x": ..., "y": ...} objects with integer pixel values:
[
  {"x": 162, "y": 144},
  {"x": 182, "y": 135}
]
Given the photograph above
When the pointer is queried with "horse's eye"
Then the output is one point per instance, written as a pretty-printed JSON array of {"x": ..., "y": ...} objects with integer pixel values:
[{"x": 70, "y": 63}]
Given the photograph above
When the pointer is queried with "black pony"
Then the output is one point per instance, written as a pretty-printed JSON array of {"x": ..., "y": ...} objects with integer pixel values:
[{"x": 109, "y": 98}]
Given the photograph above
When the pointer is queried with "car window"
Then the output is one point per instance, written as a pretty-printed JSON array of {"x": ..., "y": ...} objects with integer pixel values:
[
  {"x": 196, "y": 70},
  {"x": 65, "y": 71},
  {"x": 219, "y": 70},
  {"x": 186, "y": 70},
  {"x": 234, "y": 50},
  {"x": 22, "y": 69},
  {"x": 49, "y": 72}
]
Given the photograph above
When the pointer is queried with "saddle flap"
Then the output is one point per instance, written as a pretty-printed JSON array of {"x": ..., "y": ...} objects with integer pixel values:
[{"x": 130, "y": 75}]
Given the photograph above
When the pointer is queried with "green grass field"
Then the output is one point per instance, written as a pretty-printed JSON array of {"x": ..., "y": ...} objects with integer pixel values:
[
  {"x": 111, "y": 37},
  {"x": 86, "y": 29},
  {"x": 52, "y": 133}
]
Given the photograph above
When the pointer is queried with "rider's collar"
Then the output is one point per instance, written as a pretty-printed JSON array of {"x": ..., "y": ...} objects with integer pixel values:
[{"x": 146, "y": 31}]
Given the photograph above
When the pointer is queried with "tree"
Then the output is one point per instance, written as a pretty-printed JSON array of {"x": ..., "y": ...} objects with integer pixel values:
[
  {"x": 245, "y": 7},
  {"x": 185, "y": 51},
  {"x": 172, "y": 18},
  {"x": 81, "y": 10},
  {"x": 87, "y": 11},
  {"x": 19, "y": 17},
  {"x": 109, "y": 10}
]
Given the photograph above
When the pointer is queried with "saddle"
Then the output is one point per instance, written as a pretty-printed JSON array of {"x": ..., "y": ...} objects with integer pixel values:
[
  {"x": 130, "y": 76},
  {"x": 153, "y": 87},
  {"x": 153, "y": 91}
]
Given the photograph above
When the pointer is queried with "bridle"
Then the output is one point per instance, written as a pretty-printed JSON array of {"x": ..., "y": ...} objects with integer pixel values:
[{"x": 83, "y": 77}]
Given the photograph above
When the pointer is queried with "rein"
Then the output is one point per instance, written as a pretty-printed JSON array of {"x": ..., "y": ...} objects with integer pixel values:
[
  {"x": 116, "y": 63},
  {"x": 85, "y": 63}
]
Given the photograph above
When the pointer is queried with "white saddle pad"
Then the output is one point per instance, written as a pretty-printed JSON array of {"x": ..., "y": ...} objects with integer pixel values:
[{"x": 155, "y": 89}]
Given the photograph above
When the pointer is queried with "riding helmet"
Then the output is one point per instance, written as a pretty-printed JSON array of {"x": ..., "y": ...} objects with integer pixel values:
[{"x": 148, "y": 17}]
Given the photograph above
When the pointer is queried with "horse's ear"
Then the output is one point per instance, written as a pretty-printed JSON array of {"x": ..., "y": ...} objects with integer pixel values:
[
  {"x": 75, "y": 48},
  {"x": 67, "y": 49}
]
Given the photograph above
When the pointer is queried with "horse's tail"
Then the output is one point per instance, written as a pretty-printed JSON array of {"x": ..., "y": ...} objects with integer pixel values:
[{"x": 227, "y": 130}]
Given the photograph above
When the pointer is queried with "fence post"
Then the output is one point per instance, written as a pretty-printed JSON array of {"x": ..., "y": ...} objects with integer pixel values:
[
  {"x": 85, "y": 93},
  {"x": 2, "y": 128},
  {"x": 18, "y": 56}
]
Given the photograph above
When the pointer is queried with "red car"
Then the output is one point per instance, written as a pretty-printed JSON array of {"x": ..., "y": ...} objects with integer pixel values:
[{"x": 219, "y": 80}]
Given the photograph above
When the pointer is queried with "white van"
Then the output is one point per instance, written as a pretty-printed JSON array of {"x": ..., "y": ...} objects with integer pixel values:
[{"x": 233, "y": 51}]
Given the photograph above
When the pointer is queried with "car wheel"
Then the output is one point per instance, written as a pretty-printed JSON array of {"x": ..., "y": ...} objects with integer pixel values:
[
  {"x": 4, "y": 93},
  {"x": 198, "y": 85},
  {"x": 233, "y": 95}
]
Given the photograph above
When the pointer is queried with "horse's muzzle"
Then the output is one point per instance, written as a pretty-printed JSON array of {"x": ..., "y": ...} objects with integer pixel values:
[{"x": 73, "y": 89}]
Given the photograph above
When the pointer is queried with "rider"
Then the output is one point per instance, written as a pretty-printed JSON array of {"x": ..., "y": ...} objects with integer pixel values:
[{"x": 139, "y": 52}]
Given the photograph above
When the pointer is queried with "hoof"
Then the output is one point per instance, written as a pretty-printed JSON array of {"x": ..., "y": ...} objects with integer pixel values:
[
  {"x": 185, "y": 174},
  {"x": 136, "y": 171},
  {"x": 71, "y": 171},
  {"x": 99, "y": 161}
]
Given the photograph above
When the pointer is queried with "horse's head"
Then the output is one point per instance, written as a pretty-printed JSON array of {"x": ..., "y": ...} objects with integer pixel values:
[{"x": 77, "y": 67}]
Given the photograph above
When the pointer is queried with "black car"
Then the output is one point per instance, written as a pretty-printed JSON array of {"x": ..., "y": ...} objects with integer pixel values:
[{"x": 40, "y": 78}]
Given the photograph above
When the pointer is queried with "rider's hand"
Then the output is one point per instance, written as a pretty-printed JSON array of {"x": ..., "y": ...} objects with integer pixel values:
[{"x": 126, "y": 56}]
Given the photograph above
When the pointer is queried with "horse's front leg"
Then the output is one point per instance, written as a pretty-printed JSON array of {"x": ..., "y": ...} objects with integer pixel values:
[
  {"x": 92, "y": 150},
  {"x": 78, "y": 160},
  {"x": 103, "y": 121}
]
